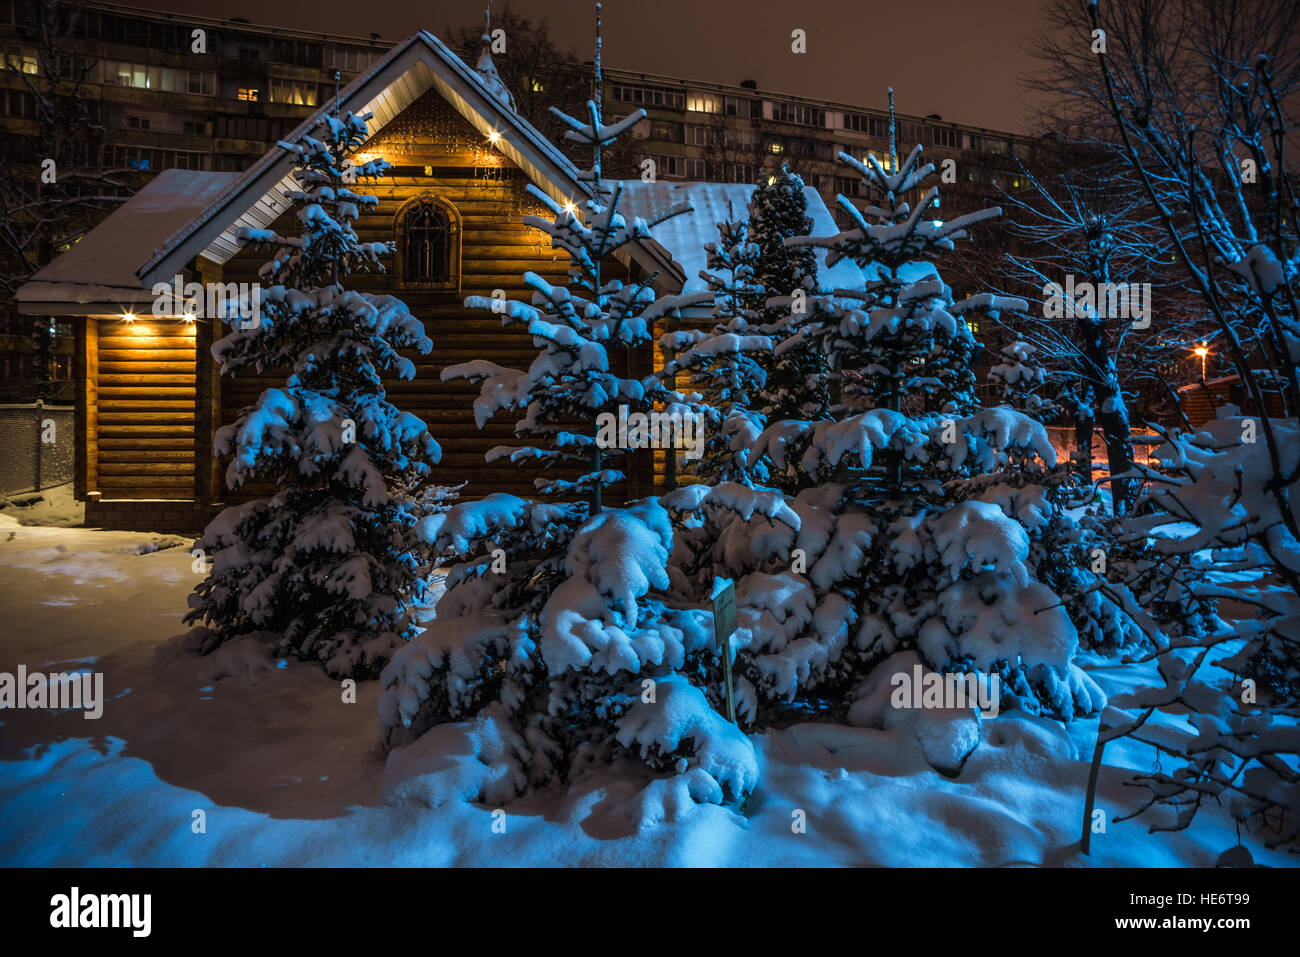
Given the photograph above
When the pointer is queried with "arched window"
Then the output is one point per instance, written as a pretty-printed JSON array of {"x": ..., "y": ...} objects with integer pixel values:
[{"x": 428, "y": 244}]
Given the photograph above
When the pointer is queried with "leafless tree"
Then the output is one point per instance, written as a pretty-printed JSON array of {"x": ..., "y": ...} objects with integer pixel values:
[
  {"x": 57, "y": 189},
  {"x": 1196, "y": 98}
]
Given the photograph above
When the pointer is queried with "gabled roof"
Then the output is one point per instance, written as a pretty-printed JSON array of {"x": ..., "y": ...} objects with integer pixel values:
[
  {"x": 684, "y": 236},
  {"x": 419, "y": 63},
  {"x": 216, "y": 205},
  {"x": 102, "y": 266}
]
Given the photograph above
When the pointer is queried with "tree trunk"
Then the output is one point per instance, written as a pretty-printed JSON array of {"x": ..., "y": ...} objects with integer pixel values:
[{"x": 1111, "y": 413}]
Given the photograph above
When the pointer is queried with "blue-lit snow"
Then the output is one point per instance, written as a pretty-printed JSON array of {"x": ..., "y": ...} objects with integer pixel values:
[{"x": 288, "y": 774}]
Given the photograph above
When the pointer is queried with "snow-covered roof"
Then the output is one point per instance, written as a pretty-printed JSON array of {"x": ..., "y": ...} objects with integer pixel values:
[
  {"x": 109, "y": 255},
  {"x": 684, "y": 236}
]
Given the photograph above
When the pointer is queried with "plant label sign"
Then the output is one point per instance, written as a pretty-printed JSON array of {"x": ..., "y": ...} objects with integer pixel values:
[
  {"x": 724, "y": 626},
  {"x": 724, "y": 612}
]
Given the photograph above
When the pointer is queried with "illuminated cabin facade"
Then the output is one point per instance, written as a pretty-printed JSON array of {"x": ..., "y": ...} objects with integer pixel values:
[{"x": 149, "y": 397}]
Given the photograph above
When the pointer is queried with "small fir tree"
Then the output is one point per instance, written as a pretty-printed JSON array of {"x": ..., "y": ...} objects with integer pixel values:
[{"x": 331, "y": 565}]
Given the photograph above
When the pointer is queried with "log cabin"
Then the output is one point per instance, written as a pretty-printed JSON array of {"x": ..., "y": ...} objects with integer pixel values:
[{"x": 149, "y": 397}]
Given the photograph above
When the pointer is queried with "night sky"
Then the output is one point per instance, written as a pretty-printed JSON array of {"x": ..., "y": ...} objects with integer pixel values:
[{"x": 958, "y": 58}]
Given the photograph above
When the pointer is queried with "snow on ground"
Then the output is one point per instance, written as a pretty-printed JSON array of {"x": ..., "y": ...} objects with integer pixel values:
[
  {"x": 51, "y": 506},
  {"x": 288, "y": 774}
]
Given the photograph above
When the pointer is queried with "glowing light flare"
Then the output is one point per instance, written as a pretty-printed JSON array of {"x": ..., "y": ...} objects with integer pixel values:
[{"x": 1202, "y": 351}]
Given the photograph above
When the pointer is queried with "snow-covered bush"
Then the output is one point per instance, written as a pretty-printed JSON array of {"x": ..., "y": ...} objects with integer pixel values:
[
  {"x": 329, "y": 566},
  {"x": 571, "y": 633},
  {"x": 1020, "y": 379}
]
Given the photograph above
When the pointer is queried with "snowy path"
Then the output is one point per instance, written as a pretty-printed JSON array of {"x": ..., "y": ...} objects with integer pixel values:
[{"x": 287, "y": 774}]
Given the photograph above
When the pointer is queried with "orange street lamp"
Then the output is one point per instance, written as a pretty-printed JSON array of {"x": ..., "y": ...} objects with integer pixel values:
[{"x": 1202, "y": 350}]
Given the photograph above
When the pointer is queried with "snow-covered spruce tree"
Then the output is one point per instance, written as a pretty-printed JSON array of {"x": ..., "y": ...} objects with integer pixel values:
[
  {"x": 555, "y": 636},
  {"x": 1021, "y": 381},
  {"x": 573, "y": 383},
  {"x": 725, "y": 365},
  {"x": 941, "y": 550},
  {"x": 328, "y": 568},
  {"x": 796, "y": 381}
]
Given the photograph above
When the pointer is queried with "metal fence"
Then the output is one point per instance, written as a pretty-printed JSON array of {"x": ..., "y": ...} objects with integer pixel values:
[{"x": 37, "y": 447}]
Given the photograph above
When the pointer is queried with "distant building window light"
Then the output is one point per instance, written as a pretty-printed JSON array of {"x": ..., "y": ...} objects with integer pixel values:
[
  {"x": 247, "y": 93},
  {"x": 296, "y": 93},
  {"x": 141, "y": 76},
  {"x": 703, "y": 103},
  {"x": 20, "y": 59}
]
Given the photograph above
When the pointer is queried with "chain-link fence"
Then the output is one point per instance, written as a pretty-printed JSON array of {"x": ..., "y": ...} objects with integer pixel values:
[{"x": 36, "y": 447}]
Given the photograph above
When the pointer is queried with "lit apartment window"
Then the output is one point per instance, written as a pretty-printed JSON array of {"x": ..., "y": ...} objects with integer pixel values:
[
  {"x": 141, "y": 76},
  {"x": 20, "y": 59},
  {"x": 292, "y": 91},
  {"x": 883, "y": 160},
  {"x": 703, "y": 103},
  {"x": 247, "y": 93}
]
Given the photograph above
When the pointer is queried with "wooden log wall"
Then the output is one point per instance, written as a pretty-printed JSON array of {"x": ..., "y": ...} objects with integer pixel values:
[
  {"x": 140, "y": 424},
  {"x": 489, "y": 194}
]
